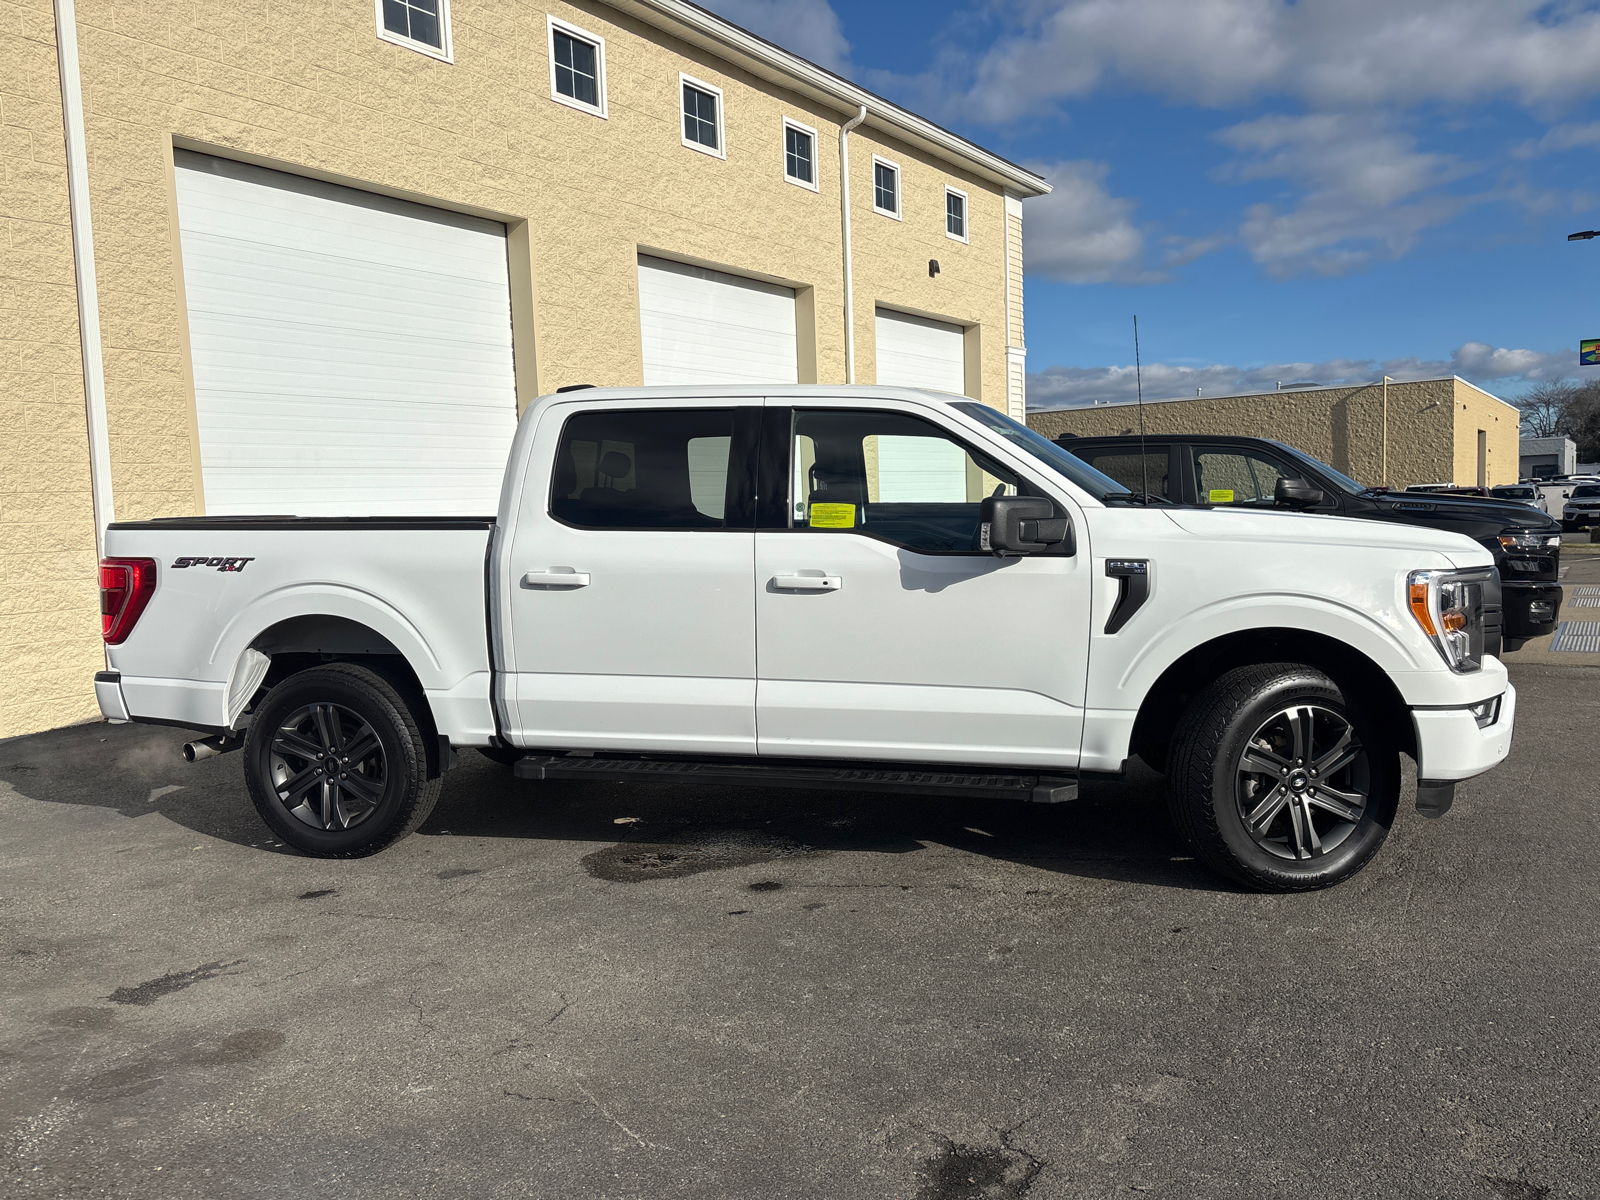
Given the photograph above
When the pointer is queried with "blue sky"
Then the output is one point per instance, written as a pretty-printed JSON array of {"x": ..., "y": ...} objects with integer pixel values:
[{"x": 1286, "y": 190}]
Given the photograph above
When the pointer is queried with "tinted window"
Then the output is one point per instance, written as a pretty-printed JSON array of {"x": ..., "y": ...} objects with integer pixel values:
[
  {"x": 891, "y": 476},
  {"x": 414, "y": 19},
  {"x": 640, "y": 469},
  {"x": 885, "y": 187},
  {"x": 1132, "y": 471},
  {"x": 1238, "y": 477},
  {"x": 576, "y": 73},
  {"x": 700, "y": 116},
  {"x": 797, "y": 146},
  {"x": 1587, "y": 491}
]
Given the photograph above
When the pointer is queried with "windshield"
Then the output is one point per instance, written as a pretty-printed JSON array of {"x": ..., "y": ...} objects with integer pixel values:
[
  {"x": 1515, "y": 493},
  {"x": 1586, "y": 491},
  {"x": 1101, "y": 487},
  {"x": 1340, "y": 479}
]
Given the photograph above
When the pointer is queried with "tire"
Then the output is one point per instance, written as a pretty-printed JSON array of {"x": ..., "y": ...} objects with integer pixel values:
[
  {"x": 1258, "y": 813},
  {"x": 383, "y": 795}
]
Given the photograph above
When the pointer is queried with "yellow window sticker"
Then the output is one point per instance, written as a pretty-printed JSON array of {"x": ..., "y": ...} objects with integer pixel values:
[
  {"x": 833, "y": 516},
  {"x": 1220, "y": 496}
]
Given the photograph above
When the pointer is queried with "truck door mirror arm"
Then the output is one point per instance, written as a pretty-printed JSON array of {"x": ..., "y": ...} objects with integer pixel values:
[{"x": 1011, "y": 526}]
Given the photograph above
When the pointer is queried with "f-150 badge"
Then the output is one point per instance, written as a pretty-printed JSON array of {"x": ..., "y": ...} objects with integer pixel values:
[{"x": 221, "y": 564}]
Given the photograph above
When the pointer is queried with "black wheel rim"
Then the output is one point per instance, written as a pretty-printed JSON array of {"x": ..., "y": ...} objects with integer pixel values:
[
  {"x": 1303, "y": 782},
  {"x": 327, "y": 766}
]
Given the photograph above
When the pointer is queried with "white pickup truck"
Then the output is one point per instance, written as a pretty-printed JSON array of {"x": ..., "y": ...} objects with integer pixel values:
[{"x": 821, "y": 586}]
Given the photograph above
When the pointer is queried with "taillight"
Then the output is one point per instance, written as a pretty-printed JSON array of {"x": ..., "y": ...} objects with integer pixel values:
[{"x": 126, "y": 585}]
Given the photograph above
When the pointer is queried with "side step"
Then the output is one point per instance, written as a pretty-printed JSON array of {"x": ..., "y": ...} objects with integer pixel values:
[{"x": 1008, "y": 785}]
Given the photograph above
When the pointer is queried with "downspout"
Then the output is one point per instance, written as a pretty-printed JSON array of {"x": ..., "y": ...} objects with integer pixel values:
[
  {"x": 94, "y": 380},
  {"x": 844, "y": 214}
]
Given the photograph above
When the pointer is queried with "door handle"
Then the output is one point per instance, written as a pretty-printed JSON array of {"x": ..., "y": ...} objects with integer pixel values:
[
  {"x": 807, "y": 583},
  {"x": 560, "y": 577}
]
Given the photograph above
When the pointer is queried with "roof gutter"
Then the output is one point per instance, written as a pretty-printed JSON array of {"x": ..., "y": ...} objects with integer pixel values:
[{"x": 697, "y": 25}]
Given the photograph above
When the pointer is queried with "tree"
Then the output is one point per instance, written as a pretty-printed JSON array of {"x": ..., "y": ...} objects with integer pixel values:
[{"x": 1544, "y": 407}]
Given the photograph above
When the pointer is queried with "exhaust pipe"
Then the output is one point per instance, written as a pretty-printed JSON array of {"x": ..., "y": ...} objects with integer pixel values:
[{"x": 206, "y": 747}]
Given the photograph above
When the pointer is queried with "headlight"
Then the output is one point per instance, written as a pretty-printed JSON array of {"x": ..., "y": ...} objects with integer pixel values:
[
  {"x": 1530, "y": 541},
  {"x": 1449, "y": 607}
]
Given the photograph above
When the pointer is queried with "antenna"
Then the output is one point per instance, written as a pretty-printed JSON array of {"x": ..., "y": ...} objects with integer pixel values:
[{"x": 1138, "y": 379}]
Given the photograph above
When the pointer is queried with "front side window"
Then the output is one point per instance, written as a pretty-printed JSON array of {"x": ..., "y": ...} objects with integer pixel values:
[
  {"x": 890, "y": 476},
  {"x": 419, "y": 24},
  {"x": 955, "y": 214},
  {"x": 577, "y": 68},
  {"x": 1151, "y": 472},
  {"x": 1239, "y": 478},
  {"x": 886, "y": 188},
  {"x": 702, "y": 116},
  {"x": 800, "y": 155},
  {"x": 645, "y": 469}
]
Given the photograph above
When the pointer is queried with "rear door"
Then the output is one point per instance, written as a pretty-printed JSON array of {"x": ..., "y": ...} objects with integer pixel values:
[
  {"x": 631, "y": 609},
  {"x": 884, "y": 631}
]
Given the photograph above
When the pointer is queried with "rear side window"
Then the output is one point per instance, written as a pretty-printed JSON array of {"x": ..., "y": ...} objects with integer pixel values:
[
  {"x": 890, "y": 476},
  {"x": 1154, "y": 475},
  {"x": 1238, "y": 477},
  {"x": 645, "y": 469}
]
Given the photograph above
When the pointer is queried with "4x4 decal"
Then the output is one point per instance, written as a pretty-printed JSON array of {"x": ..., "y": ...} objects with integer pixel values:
[{"x": 221, "y": 564}]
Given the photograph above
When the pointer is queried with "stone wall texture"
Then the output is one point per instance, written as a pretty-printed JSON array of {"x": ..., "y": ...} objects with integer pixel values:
[
  {"x": 49, "y": 608},
  {"x": 315, "y": 91},
  {"x": 1431, "y": 427}
]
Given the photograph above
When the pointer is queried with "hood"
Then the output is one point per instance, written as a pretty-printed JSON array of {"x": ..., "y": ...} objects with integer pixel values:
[
  {"x": 1281, "y": 525},
  {"x": 1508, "y": 513}
]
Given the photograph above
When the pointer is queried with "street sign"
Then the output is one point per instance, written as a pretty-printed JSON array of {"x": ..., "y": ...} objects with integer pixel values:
[{"x": 1589, "y": 352}]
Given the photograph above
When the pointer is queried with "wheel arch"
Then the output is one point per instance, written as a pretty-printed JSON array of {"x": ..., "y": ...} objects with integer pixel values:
[{"x": 1164, "y": 703}]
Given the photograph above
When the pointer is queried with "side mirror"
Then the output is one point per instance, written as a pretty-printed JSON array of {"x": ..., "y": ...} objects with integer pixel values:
[
  {"x": 1297, "y": 493},
  {"x": 1011, "y": 526}
]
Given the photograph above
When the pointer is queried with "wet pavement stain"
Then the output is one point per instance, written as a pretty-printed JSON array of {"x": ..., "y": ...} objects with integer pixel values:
[
  {"x": 979, "y": 1173},
  {"x": 318, "y": 894},
  {"x": 152, "y": 990},
  {"x": 689, "y": 853},
  {"x": 458, "y": 872},
  {"x": 1516, "y": 1189},
  {"x": 766, "y": 885}
]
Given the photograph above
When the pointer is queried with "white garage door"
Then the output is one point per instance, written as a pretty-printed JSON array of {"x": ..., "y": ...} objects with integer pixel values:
[
  {"x": 702, "y": 326},
  {"x": 917, "y": 352},
  {"x": 352, "y": 353}
]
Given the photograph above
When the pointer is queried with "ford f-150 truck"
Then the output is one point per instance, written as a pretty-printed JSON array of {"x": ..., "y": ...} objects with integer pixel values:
[{"x": 821, "y": 587}]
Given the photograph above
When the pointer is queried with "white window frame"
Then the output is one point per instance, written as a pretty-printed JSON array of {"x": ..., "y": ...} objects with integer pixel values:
[
  {"x": 966, "y": 215},
  {"x": 446, "y": 53},
  {"x": 816, "y": 158},
  {"x": 554, "y": 23},
  {"x": 899, "y": 188},
  {"x": 722, "y": 132}
]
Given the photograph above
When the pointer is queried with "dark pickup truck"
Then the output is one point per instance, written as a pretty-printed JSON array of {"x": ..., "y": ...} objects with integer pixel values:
[{"x": 1214, "y": 470}]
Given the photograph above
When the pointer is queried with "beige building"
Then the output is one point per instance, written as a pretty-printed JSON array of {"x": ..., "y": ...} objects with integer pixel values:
[
  {"x": 312, "y": 260},
  {"x": 1427, "y": 431}
]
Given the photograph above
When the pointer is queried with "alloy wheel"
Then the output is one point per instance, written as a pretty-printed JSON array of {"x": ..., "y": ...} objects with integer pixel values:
[
  {"x": 327, "y": 766},
  {"x": 1303, "y": 782}
]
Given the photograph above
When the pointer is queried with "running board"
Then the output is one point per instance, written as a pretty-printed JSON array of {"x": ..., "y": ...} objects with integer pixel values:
[{"x": 1008, "y": 785}]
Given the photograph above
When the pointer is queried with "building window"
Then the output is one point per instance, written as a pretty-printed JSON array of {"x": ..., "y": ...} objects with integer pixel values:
[
  {"x": 800, "y": 154},
  {"x": 885, "y": 187},
  {"x": 422, "y": 25},
  {"x": 577, "y": 68},
  {"x": 702, "y": 116},
  {"x": 955, "y": 214}
]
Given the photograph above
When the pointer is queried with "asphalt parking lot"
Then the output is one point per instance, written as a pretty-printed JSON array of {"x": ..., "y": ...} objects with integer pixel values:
[{"x": 614, "y": 990}]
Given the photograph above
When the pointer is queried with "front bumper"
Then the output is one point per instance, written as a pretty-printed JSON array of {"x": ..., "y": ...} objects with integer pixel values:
[
  {"x": 1452, "y": 746},
  {"x": 1529, "y": 609}
]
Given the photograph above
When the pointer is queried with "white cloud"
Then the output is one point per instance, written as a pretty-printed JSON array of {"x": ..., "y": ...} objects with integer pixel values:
[
  {"x": 1070, "y": 387},
  {"x": 809, "y": 28},
  {"x": 1366, "y": 191},
  {"x": 1080, "y": 232},
  {"x": 1326, "y": 53},
  {"x": 1561, "y": 137}
]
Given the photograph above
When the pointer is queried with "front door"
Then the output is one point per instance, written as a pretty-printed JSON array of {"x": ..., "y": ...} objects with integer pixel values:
[
  {"x": 631, "y": 614},
  {"x": 884, "y": 631}
]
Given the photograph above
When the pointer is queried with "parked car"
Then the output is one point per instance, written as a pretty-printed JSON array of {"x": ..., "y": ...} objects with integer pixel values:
[
  {"x": 1524, "y": 493},
  {"x": 1464, "y": 490},
  {"x": 1583, "y": 507},
  {"x": 822, "y": 587},
  {"x": 1213, "y": 470}
]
